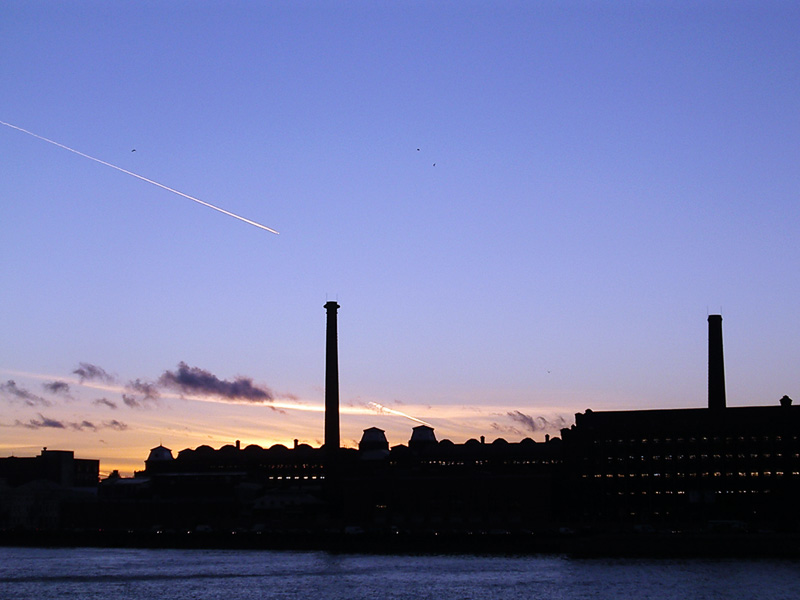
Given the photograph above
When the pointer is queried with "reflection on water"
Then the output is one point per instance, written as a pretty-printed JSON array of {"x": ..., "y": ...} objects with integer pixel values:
[{"x": 94, "y": 573}]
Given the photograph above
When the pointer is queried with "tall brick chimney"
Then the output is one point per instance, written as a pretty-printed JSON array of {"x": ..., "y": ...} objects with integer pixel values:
[
  {"x": 331, "y": 382},
  {"x": 716, "y": 364}
]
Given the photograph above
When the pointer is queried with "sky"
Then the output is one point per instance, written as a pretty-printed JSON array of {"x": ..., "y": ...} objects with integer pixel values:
[{"x": 524, "y": 209}]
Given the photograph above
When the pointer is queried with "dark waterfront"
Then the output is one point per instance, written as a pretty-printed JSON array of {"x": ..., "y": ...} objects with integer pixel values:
[{"x": 97, "y": 573}]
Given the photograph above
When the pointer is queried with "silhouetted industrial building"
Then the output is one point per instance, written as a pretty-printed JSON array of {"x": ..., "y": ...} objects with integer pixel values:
[
  {"x": 416, "y": 487},
  {"x": 612, "y": 470},
  {"x": 682, "y": 466}
]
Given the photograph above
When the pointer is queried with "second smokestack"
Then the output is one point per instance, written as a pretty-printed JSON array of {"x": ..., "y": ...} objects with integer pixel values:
[{"x": 716, "y": 364}]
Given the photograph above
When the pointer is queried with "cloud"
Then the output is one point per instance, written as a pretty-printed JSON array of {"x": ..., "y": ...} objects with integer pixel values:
[
  {"x": 147, "y": 389},
  {"x": 57, "y": 387},
  {"x": 193, "y": 380},
  {"x": 47, "y": 423},
  {"x": 105, "y": 402},
  {"x": 506, "y": 428},
  {"x": 534, "y": 424},
  {"x": 90, "y": 372},
  {"x": 131, "y": 401},
  {"x": 42, "y": 422},
  {"x": 12, "y": 390}
]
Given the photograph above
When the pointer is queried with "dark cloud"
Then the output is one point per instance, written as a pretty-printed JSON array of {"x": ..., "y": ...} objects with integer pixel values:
[
  {"x": 47, "y": 423},
  {"x": 57, "y": 387},
  {"x": 12, "y": 390},
  {"x": 90, "y": 372},
  {"x": 193, "y": 380},
  {"x": 42, "y": 422},
  {"x": 105, "y": 402},
  {"x": 534, "y": 424}
]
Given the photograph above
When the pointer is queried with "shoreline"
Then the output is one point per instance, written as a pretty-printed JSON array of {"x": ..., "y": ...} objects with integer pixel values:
[{"x": 590, "y": 545}]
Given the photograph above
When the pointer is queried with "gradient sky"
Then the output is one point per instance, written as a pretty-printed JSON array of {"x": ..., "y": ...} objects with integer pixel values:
[{"x": 524, "y": 209}]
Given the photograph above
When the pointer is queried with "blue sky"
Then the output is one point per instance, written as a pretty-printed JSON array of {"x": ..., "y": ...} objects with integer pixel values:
[{"x": 524, "y": 209}]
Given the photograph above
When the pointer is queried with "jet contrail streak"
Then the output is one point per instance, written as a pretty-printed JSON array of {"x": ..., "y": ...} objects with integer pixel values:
[
  {"x": 381, "y": 409},
  {"x": 169, "y": 189}
]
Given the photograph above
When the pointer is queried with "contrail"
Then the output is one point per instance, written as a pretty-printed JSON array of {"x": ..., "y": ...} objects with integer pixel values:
[
  {"x": 164, "y": 187},
  {"x": 381, "y": 409}
]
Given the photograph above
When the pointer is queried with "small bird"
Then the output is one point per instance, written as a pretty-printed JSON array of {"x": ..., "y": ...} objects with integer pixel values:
[
  {"x": 134, "y": 150},
  {"x": 434, "y": 164}
]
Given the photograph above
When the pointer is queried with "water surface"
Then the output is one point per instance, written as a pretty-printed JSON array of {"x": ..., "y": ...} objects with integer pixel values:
[{"x": 119, "y": 574}]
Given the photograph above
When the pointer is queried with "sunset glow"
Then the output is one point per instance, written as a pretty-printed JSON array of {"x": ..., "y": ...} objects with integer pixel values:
[{"x": 524, "y": 210}]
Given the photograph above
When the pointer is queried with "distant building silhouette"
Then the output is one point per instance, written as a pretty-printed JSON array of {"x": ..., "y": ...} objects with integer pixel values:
[
  {"x": 57, "y": 466},
  {"x": 54, "y": 490}
]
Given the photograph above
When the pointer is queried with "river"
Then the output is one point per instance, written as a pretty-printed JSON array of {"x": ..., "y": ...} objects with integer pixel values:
[{"x": 119, "y": 574}]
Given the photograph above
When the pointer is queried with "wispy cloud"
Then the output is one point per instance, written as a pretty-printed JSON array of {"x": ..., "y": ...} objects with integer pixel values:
[
  {"x": 41, "y": 422},
  {"x": 13, "y": 392},
  {"x": 145, "y": 388},
  {"x": 538, "y": 423},
  {"x": 47, "y": 423},
  {"x": 90, "y": 372},
  {"x": 105, "y": 402},
  {"x": 131, "y": 401},
  {"x": 57, "y": 387},
  {"x": 506, "y": 428}
]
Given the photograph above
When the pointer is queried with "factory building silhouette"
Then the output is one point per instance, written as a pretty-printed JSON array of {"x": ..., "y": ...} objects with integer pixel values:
[
  {"x": 719, "y": 464},
  {"x": 665, "y": 469}
]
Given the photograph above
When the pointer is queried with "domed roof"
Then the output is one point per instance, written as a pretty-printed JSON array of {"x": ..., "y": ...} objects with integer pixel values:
[
  {"x": 204, "y": 450},
  {"x": 160, "y": 453},
  {"x": 373, "y": 434},
  {"x": 372, "y": 440},
  {"x": 423, "y": 434}
]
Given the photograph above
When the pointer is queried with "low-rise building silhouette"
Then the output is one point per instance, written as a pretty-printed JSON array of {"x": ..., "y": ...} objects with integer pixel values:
[{"x": 54, "y": 490}]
